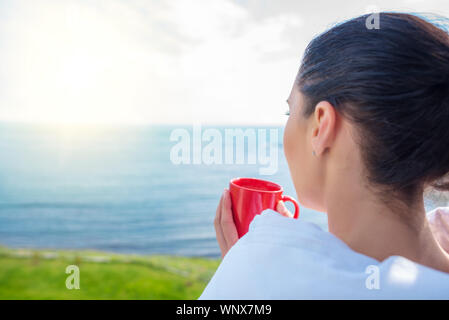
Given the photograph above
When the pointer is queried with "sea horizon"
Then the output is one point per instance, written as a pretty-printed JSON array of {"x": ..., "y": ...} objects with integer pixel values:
[{"x": 116, "y": 190}]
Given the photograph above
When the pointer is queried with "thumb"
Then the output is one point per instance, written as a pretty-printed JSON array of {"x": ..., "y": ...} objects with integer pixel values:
[{"x": 282, "y": 209}]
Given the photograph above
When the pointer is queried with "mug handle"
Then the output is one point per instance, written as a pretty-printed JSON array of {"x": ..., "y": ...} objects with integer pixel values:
[{"x": 287, "y": 198}]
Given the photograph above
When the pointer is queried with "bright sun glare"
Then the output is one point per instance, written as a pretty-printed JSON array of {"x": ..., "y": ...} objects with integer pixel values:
[
  {"x": 180, "y": 61},
  {"x": 76, "y": 67}
]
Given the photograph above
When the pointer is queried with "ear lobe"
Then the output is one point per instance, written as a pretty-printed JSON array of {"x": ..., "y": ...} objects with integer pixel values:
[{"x": 325, "y": 124}]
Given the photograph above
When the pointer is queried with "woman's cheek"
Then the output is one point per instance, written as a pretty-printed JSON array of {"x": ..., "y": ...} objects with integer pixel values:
[
  {"x": 292, "y": 146},
  {"x": 287, "y": 141}
]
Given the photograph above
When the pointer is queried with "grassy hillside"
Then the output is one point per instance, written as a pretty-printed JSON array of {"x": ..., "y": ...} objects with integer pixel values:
[{"x": 40, "y": 274}]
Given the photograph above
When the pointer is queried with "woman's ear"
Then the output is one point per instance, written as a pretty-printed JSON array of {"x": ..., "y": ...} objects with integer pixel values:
[{"x": 323, "y": 127}]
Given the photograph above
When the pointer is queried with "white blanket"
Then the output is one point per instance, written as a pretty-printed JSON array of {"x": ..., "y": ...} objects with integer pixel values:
[{"x": 282, "y": 258}]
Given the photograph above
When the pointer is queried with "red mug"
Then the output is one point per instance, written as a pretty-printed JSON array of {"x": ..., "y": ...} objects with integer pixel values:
[{"x": 251, "y": 196}]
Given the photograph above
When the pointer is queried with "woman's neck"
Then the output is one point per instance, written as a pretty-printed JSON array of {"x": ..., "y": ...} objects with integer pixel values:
[{"x": 375, "y": 230}]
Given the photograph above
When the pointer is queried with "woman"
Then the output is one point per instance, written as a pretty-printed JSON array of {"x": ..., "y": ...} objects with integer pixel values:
[{"x": 367, "y": 135}]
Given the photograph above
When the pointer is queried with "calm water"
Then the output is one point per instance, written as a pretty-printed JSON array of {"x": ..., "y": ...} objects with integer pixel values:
[{"x": 113, "y": 189}]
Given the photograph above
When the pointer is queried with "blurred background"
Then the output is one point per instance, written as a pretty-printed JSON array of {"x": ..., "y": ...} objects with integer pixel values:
[{"x": 90, "y": 92}]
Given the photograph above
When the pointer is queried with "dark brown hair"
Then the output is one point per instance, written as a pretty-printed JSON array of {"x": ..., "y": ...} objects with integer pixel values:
[{"x": 393, "y": 84}]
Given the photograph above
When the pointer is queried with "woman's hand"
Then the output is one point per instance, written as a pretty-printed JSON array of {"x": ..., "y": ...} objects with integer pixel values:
[
  {"x": 225, "y": 228},
  {"x": 224, "y": 224}
]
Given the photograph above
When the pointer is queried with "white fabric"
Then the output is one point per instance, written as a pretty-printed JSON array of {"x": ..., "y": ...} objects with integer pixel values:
[{"x": 284, "y": 258}]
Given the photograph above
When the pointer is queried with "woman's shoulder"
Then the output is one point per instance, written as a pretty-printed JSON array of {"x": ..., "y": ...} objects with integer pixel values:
[
  {"x": 279, "y": 257},
  {"x": 303, "y": 239},
  {"x": 270, "y": 229},
  {"x": 283, "y": 258}
]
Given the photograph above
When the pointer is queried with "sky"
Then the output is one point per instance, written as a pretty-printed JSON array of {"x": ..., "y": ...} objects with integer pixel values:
[{"x": 162, "y": 61}]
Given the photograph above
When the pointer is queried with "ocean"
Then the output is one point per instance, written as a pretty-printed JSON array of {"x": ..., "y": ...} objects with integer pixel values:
[{"x": 116, "y": 189}]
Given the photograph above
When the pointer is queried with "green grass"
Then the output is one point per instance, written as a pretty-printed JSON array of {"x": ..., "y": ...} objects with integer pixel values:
[{"x": 40, "y": 274}]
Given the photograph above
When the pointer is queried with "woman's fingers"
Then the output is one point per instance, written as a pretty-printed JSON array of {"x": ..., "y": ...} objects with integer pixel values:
[
  {"x": 227, "y": 221},
  {"x": 218, "y": 230},
  {"x": 282, "y": 209},
  {"x": 224, "y": 224}
]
